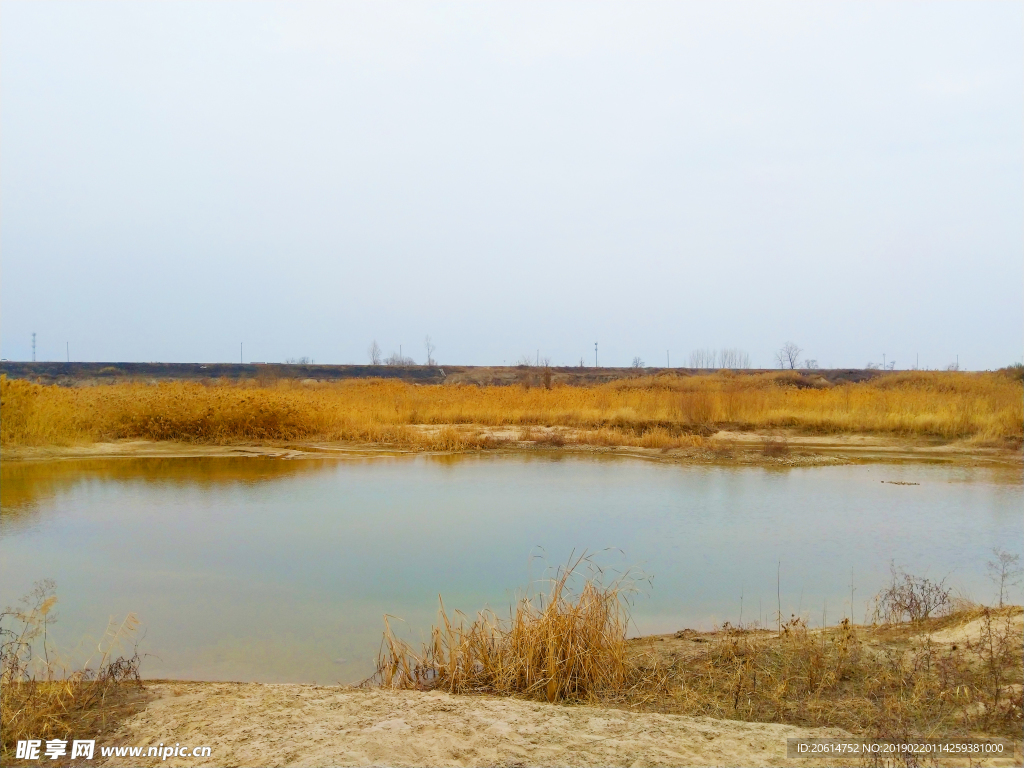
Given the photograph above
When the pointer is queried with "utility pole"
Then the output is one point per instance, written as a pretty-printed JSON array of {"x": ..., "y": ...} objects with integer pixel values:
[
  {"x": 883, "y": 361},
  {"x": 241, "y": 357},
  {"x": 67, "y": 347},
  {"x": 33, "y": 346},
  {"x": 667, "y": 363},
  {"x": 595, "y": 354}
]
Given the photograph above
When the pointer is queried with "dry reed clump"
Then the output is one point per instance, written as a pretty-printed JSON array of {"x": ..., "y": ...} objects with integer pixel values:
[
  {"x": 40, "y": 698},
  {"x": 879, "y": 682},
  {"x": 566, "y": 645},
  {"x": 656, "y": 409}
]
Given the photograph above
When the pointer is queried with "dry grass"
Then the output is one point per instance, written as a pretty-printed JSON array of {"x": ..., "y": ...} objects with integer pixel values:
[
  {"x": 565, "y": 645},
  {"x": 660, "y": 411},
  {"x": 881, "y": 681},
  {"x": 40, "y": 697},
  {"x": 898, "y": 680}
]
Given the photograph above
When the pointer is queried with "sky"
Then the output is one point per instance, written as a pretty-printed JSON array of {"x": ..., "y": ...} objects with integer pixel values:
[{"x": 512, "y": 179}]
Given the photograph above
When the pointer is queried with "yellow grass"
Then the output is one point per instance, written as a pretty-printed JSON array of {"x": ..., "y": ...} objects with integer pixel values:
[
  {"x": 40, "y": 697},
  {"x": 660, "y": 411},
  {"x": 564, "y": 645},
  {"x": 569, "y": 644},
  {"x": 889, "y": 681}
]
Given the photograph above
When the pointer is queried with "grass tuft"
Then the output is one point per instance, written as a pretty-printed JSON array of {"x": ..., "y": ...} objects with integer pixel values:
[{"x": 567, "y": 645}]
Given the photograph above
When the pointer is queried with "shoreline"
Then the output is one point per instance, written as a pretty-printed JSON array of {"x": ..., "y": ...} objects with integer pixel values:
[
  {"x": 251, "y": 724},
  {"x": 786, "y": 448}
]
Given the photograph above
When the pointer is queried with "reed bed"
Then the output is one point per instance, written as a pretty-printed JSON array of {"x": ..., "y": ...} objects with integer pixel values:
[
  {"x": 654, "y": 411},
  {"x": 566, "y": 645},
  {"x": 40, "y": 697}
]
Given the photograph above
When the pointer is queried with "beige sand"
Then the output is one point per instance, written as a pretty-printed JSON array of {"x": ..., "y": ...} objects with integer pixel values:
[
  {"x": 248, "y": 724},
  {"x": 725, "y": 447},
  {"x": 972, "y": 631}
]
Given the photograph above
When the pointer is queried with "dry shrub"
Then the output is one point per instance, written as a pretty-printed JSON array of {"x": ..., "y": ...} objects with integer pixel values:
[
  {"x": 40, "y": 698},
  {"x": 566, "y": 645},
  {"x": 910, "y": 597}
]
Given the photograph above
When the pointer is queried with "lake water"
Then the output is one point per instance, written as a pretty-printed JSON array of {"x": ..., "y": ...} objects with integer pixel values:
[{"x": 280, "y": 571}]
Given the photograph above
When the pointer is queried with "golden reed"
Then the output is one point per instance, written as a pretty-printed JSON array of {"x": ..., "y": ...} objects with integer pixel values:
[{"x": 656, "y": 411}]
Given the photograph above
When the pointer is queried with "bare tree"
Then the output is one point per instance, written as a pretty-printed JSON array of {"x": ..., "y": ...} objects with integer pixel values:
[
  {"x": 1004, "y": 571},
  {"x": 374, "y": 352},
  {"x": 637, "y": 362},
  {"x": 733, "y": 358},
  {"x": 788, "y": 356},
  {"x": 398, "y": 359},
  {"x": 703, "y": 358},
  {"x": 811, "y": 363},
  {"x": 430, "y": 350}
]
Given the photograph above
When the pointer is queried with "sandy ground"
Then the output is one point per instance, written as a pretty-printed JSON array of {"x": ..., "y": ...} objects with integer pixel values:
[
  {"x": 248, "y": 724},
  {"x": 722, "y": 448},
  {"x": 252, "y": 724},
  {"x": 972, "y": 630}
]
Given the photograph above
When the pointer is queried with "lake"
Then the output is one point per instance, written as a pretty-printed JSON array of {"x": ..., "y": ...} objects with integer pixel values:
[{"x": 281, "y": 571}]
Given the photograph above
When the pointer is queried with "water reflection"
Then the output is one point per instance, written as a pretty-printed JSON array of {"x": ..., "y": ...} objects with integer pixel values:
[{"x": 27, "y": 488}]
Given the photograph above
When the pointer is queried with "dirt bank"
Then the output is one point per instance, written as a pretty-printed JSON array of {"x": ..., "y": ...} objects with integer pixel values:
[
  {"x": 780, "y": 448},
  {"x": 255, "y": 725}
]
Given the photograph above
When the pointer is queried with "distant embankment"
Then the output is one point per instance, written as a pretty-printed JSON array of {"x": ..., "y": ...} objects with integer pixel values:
[
  {"x": 79, "y": 374},
  {"x": 70, "y": 374}
]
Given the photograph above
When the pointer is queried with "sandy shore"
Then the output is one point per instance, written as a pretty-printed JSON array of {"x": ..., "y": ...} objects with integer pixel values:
[
  {"x": 253, "y": 724},
  {"x": 744, "y": 448},
  {"x": 248, "y": 724}
]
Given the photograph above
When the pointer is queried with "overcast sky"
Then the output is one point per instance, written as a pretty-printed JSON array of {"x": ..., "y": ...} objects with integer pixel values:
[{"x": 177, "y": 178}]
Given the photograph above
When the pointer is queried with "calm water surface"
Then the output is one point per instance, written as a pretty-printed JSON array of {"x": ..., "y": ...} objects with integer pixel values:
[{"x": 280, "y": 571}]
